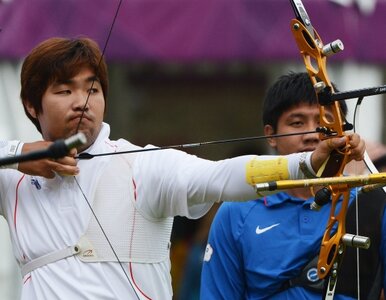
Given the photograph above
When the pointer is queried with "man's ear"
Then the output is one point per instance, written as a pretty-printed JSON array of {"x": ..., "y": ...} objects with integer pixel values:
[
  {"x": 31, "y": 110},
  {"x": 268, "y": 130}
]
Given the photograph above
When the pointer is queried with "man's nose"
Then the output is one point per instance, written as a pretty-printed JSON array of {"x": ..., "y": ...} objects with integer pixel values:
[
  {"x": 312, "y": 136},
  {"x": 81, "y": 101}
]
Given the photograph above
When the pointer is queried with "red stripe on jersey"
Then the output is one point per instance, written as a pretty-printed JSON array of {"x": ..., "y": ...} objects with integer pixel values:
[
  {"x": 28, "y": 278},
  {"x": 132, "y": 278},
  {"x": 135, "y": 190},
  {"x": 16, "y": 201}
]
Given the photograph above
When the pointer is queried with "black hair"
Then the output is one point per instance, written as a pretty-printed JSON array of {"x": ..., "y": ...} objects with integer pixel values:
[
  {"x": 58, "y": 59},
  {"x": 288, "y": 91}
]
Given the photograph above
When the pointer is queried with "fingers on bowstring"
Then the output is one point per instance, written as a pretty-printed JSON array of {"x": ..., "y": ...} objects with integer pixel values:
[
  {"x": 357, "y": 146},
  {"x": 64, "y": 166},
  {"x": 335, "y": 143},
  {"x": 73, "y": 152}
]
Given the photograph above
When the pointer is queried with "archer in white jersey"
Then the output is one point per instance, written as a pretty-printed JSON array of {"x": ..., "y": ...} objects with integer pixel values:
[{"x": 100, "y": 228}]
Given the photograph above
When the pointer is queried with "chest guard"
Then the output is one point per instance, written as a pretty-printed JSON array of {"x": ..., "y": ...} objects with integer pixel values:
[{"x": 134, "y": 237}]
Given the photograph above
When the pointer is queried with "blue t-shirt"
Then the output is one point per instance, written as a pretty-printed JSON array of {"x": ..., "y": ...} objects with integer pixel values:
[{"x": 255, "y": 247}]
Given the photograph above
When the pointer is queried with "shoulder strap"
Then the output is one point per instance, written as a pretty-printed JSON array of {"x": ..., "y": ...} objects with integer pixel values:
[{"x": 308, "y": 278}]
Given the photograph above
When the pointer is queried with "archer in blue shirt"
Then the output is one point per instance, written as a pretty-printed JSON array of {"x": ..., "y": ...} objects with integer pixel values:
[{"x": 260, "y": 249}]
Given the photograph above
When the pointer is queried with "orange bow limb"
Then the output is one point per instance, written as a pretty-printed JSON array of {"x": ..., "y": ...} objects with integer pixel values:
[{"x": 315, "y": 62}]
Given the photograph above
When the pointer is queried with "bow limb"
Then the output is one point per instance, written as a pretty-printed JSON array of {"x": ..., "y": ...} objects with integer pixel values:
[
  {"x": 367, "y": 160},
  {"x": 315, "y": 63}
]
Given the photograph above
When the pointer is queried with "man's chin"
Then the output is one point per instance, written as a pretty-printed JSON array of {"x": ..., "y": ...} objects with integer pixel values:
[{"x": 90, "y": 133}]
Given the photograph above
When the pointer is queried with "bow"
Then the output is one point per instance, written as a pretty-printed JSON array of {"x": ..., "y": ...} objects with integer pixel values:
[
  {"x": 315, "y": 54},
  {"x": 106, "y": 46}
]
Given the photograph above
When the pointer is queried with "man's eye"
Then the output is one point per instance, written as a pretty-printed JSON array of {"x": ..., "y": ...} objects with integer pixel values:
[
  {"x": 63, "y": 92},
  {"x": 93, "y": 91},
  {"x": 296, "y": 123}
]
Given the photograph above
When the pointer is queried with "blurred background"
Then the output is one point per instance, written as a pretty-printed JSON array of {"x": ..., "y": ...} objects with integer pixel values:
[{"x": 184, "y": 71}]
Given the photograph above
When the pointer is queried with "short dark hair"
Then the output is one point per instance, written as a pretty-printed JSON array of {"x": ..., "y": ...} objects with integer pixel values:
[
  {"x": 58, "y": 59},
  {"x": 288, "y": 91}
]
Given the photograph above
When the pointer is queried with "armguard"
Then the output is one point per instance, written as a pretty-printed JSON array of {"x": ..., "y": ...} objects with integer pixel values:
[
  {"x": 265, "y": 170},
  {"x": 10, "y": 148}
]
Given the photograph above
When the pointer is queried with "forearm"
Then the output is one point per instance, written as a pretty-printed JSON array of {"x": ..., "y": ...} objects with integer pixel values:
[
  {"x": 179, "y": 181},
  {"x": 43, "y": 167},
  {"x": 234, "y": 179}
]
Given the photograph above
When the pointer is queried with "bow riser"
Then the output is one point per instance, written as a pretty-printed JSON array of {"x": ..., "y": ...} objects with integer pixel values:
[
  {"x": 332, "y": 246},
  {"x": 316, "y": 65},
  {"x": 332, "y": 125}
]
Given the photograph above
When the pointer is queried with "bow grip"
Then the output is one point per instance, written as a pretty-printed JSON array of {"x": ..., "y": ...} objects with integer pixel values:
[{"x": 335, "y": 163}]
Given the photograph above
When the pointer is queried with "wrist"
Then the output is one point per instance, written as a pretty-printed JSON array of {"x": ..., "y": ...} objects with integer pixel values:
[
  {"x": 305, "y": 165},
  {"x": 13, "y": 148}
]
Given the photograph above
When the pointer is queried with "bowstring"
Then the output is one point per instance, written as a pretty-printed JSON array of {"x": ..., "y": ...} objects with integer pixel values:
[
  {"x": 77, "y": 130},
  {"x": 99, "y": 62},
  {"x": 355, "y": 121}
]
